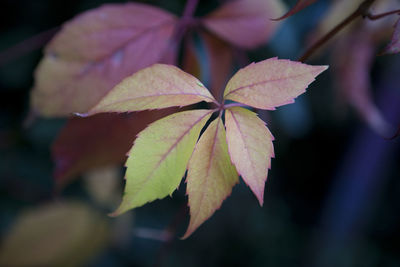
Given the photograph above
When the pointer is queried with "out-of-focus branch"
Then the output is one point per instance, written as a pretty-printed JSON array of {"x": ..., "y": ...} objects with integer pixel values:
[
  {"x": 382, "y": 15},
  {"x": 361, "y": 11}
]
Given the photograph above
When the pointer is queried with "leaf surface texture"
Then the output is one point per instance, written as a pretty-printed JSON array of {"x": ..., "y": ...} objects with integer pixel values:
[
  {"x": 271, "y": 83},
  {"x": 155, "y": 87},
  {"x": 250, "y": 147},
  {"x": 159, "y": 157},
  {"x": 211, "y": 175}
]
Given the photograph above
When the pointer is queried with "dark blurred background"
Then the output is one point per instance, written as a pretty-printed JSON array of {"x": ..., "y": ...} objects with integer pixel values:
[{"x": 332, "y": 196}]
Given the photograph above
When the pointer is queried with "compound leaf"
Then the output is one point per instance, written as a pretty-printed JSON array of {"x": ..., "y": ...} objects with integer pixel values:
[
  {"x": 245, "y": 23},
  {"x": 158, "y": 159},
  {"x": 95, "y": 51},
  {"x": 155, "y": 87},
  {"x": 271, "y": 83},
  {"x": 250, "y": 147},
  {"x": 211, "y": 175}
]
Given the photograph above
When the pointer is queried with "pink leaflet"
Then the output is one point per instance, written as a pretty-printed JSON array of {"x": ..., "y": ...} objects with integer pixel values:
[
  {"x": 300, "y": 5},
  {"x": 155, "y": 87},
  {"x": 95, "y": 51},
  {"x": 394, "y": 46},
  {"x": 211, "y": 175},
  {"x": 99, "y": 33},
  {"x": 250, "y": 147},
  {"x": 245, "y": 23},
  {"x": 271, "y": 83}
]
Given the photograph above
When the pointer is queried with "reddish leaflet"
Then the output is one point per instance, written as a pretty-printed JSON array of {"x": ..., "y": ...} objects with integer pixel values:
[
  {"x": 80, "y": 147},
  {"x": 352, "y": 60},
  {"x": 94, "y": 52}
]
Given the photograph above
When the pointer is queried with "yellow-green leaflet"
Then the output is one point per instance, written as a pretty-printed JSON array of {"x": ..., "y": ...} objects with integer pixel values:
[
  {"x": 155, "y": 87},
  {"x": 271, "y": 83},
  {"x": 211, "y": 175},
  {"x": 158, "y": 159},
  {"x": 250, "y": 147}
]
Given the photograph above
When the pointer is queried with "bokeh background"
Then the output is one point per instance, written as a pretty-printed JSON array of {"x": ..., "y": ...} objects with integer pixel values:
[{"x": 332, "y": 197}]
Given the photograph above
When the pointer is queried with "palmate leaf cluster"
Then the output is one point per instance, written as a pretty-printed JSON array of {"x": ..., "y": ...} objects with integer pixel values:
[{"x": 163, "y": 151}]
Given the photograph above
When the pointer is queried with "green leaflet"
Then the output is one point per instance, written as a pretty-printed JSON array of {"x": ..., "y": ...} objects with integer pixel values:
[{"x": 158, "y": 159}]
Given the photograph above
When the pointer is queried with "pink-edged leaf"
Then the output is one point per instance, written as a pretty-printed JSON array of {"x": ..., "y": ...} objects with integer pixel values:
[
  {"x": 245, "y": 23},
  {"x": 159, "y": 157},
  {"x": 271, "y": 83},
  {"x": 220, "y": 60},
  {"x": 250, "y": 147},
  {"x": 100, "y": 140},
  {"x": 353, "y": 59},
  {"x": 95, "y": 51},
  {"x": 211, "y": 175},
  {"x": 300, "y": 5},
  {"x": 394, "y": 46},
  {"x": 155, "y": 87}
]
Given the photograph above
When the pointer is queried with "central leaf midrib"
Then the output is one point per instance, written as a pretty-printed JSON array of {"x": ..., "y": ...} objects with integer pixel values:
[
  {"x": 209, "y": 165},
  {"x": 138, "y": 97},
  {"x": 263, "y": 82}
]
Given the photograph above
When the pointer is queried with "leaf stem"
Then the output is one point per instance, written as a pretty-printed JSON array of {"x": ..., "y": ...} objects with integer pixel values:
[
  {"x": 233, "y": 105},
  {"x": 382, "y": 15},
  {"x": 361, "y": 11},
  {"x": 190, "y": 8},
  {"x": 186, "y": 19}
]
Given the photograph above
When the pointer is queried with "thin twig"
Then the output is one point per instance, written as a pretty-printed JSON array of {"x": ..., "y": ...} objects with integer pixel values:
[
  {"x": 379, "y": 16},
  {"x": 186, "y": 20},
  {"x": 361, "y": 11},
  {"x": 234, "y": 105}
]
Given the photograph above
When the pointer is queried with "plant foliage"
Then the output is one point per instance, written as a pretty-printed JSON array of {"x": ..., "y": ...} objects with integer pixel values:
[{"x": 166, "y": 148}]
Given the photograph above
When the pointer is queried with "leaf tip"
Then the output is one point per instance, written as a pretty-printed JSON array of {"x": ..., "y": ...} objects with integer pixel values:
[
  {"x": 186, "y": 235},
  {"x": 260, "y": 196},
  {"x": 319, "y": 69},
  {"x": 123, "y": 207},
  {"x": 82, "y": 115},
  {"x": 189, "y": 231},
  {"x": 113, "y": 214}
]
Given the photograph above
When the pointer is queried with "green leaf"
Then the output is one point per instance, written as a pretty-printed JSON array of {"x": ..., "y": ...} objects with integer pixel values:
[
  {"x": 250, "y": 147},
  {"x": 155, "y": 87},
  {"x": 158, "y": 159},
  {"x": 211, "y": 175}
]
